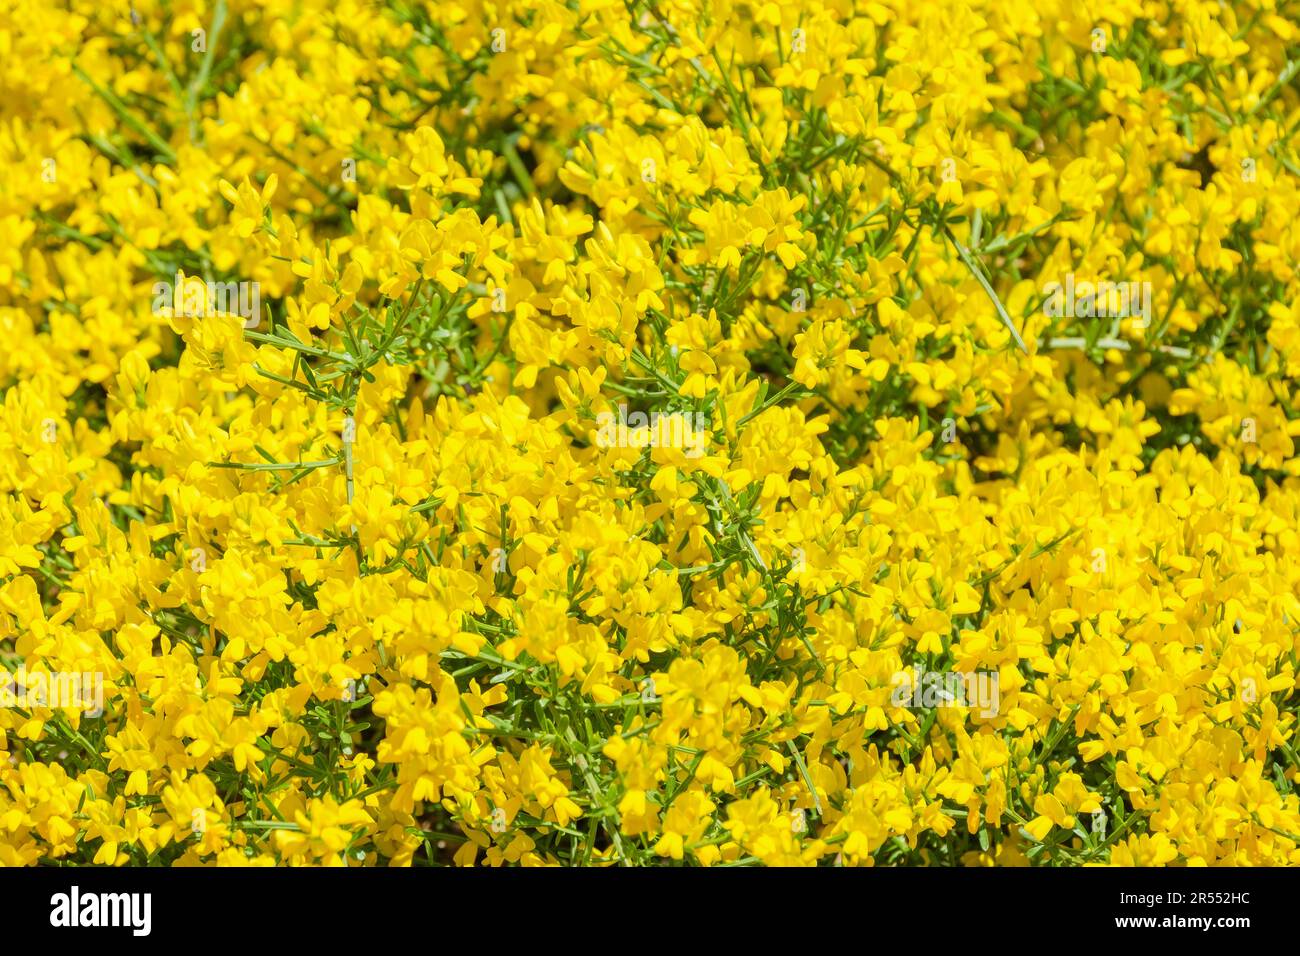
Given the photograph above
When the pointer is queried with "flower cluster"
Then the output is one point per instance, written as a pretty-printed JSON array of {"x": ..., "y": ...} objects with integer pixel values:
[{"x": 333, "y": 331}]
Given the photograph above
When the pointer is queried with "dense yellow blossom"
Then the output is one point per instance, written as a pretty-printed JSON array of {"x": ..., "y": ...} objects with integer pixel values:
[{"x": 677, "y": 433}]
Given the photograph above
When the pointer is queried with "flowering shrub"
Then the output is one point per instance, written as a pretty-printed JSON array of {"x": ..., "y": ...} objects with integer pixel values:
[{"x": 668, "y": 432}]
